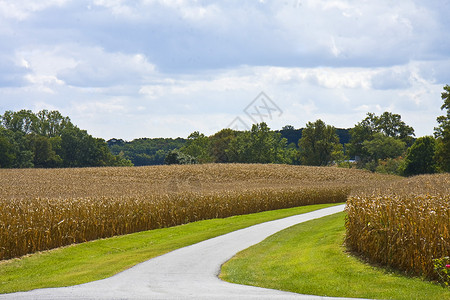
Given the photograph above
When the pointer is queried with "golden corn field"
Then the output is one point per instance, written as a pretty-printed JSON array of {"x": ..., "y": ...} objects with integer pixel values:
[
  {"x": 405, "y": 224},
  {"x": 42, "y": 209}
]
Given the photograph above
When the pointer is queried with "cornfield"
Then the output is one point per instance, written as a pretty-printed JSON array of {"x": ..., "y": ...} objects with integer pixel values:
[
  {"x": 404, "y": 225},
  {"x": 45, "y": 209}
]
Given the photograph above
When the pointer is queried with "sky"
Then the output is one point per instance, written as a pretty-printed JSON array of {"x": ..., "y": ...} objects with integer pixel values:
[{"x": 160, "y": 68}]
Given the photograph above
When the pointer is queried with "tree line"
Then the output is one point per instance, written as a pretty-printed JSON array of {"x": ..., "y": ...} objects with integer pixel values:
[
  {"x": 381, "y": 143},
  {"x": 49, "y": 140}
]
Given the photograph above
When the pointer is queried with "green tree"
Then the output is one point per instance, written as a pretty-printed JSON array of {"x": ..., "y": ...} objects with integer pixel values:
[
  {"x": 383, "y": 147},
  {"x": 51, "y": 123},
  {"x": 388, "y": 124},
  {"x": 176, "y": 157},
  {"x": 23, "y": 121},
  {"x": 18, "y": 149},
  {"x": 420, "y": 158},
  {"x": 259, "y": 145},
  {"x": 319, "y": 145},
  {"x": 79, "y": 149},
  {"x": 220, "y": 145},
  {"x": 442, "y": 133},
  {"x": 198, "y": 146},
  {"x": 392, "y": 125},
  {"x": 7, "y": 153},
  {"x": 43, "y": 154}
]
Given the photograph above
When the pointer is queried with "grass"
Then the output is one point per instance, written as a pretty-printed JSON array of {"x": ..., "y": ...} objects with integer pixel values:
[
  {"x": 309, "y": 259},
  {"x": 100, "y": 259}
]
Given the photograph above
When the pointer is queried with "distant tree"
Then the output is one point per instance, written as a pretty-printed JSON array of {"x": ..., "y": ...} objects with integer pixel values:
[
  {"x": 43, "y": 154},
  {"x": 198, "y": 146},
  {"x": 145, "y": 151},
  {"x": 392, "y": 125},
  {"x": 319, "y": 145},
  {"x": 259, "y": 145},
  {"x": 420, "y": 158},
  {"x": 17, "y": 149},
  {"x": 288, "y": 128},
  {"x": 23, "y": 121},
  {"x": 442, "y": 133},
  {"x": 79, "y": 149},
  {"x": 51, "y": 123},
  {"x": 176, "y": 157},
  {"x": 383, "y": 147},
  {"x": 220, "y": 145},
  {"x": 7, "y": 153},
  {"x": 363, "y": 133}
]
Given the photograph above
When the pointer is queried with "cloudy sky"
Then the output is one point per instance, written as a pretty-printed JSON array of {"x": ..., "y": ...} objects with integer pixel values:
[{"x": 161, "y": 68}]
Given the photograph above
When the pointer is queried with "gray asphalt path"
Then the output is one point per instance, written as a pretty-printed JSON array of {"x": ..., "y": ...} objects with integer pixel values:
[{"x": 187, "y": 273}]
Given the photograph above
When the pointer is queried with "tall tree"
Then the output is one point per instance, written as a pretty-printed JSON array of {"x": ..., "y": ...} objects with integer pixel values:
[
  {"x": 319, "y": 145},
  {"x": 198, "y": 146},
  {"x": 23, "y": 121},
  {"x": 7, "y": 153},
  {"x": 259, "y": 145},
  {"x": 420, "y": 158},
  {"x": 43, "y": 154},
  {"x": 383, "y": 147},
  {"x": 388, "y": 124},
  {"x": 220, "y": 145},
  {"x": 442, "y": 133},
  {"x": 51, "y": 123}
]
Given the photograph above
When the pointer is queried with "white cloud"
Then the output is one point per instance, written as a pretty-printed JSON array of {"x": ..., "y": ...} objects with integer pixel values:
[
  {"x": 127, "y": 68},
  {"x": 22, "y": 9}
]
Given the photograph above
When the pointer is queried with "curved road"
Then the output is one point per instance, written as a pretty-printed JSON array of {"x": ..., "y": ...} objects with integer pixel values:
[{"x": 187, "y": 273}]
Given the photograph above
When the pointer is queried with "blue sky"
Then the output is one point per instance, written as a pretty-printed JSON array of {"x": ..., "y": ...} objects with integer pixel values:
[{"x": 160, "y": 68}]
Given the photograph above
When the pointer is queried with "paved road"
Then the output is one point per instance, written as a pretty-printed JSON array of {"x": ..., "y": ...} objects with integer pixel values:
[{"x": 187, "y": 273}]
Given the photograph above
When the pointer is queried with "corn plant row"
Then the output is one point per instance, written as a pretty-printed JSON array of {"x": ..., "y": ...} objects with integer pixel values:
[
  {"x": 45, "y": 209},
  {"x": 41, "y": 224},
  {"x": 405, "y": 225}
]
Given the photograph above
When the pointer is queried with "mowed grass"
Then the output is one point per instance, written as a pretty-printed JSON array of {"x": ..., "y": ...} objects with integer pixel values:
[
  {"x": 100, "y": 259},
  {"x": 309, "y": 258}
]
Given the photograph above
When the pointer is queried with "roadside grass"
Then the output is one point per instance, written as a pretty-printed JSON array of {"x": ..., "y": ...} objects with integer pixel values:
[
  {"x": 309, "y": 258},
  {"x": 100, "y": 259}
]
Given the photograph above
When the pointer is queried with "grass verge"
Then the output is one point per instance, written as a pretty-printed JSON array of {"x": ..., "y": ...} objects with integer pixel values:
[
  {"x": 100, "y": 259},
  {"x": 309, "y": 259}
]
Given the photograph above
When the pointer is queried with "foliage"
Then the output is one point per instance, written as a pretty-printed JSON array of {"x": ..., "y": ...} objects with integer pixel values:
[
  {"x": 198, "y": 146},
  {"x": 319, "y": 145},
  {"x": 394, "y": 166},
  {"x": 379, "y": 138},
  {"x": 259, "y": 145},
  {"x": 145, "y": 151},
  {"x": 420, "y": 158},
  {"x": 382, "y": 147},
  {"x": 49, "y": 140},
  {"x": 403, "y": 225},
  {"x": 442, "y": 268},
  {"x": 46, "y": 208},
  {"x": 442, "y": 133},
  {"x": 176, "y": 157},
  {"x": 220, "y": 145}
]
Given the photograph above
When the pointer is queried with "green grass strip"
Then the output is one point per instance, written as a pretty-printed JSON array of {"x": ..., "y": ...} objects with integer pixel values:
[
  {"x": 100, "y": 259},
  {"x": 309, "y": 259}
]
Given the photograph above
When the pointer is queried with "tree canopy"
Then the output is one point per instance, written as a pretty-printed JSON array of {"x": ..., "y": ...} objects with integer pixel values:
[
  {"x": 49, "y": 140},
  {"x": 442, "y": 133},
  {"x": 319, "y": 145}
]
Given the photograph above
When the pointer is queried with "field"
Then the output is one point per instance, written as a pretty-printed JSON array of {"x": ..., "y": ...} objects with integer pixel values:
[
  {"x": 44, "y": 209},
  {"x": 404, "y": 225}
]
